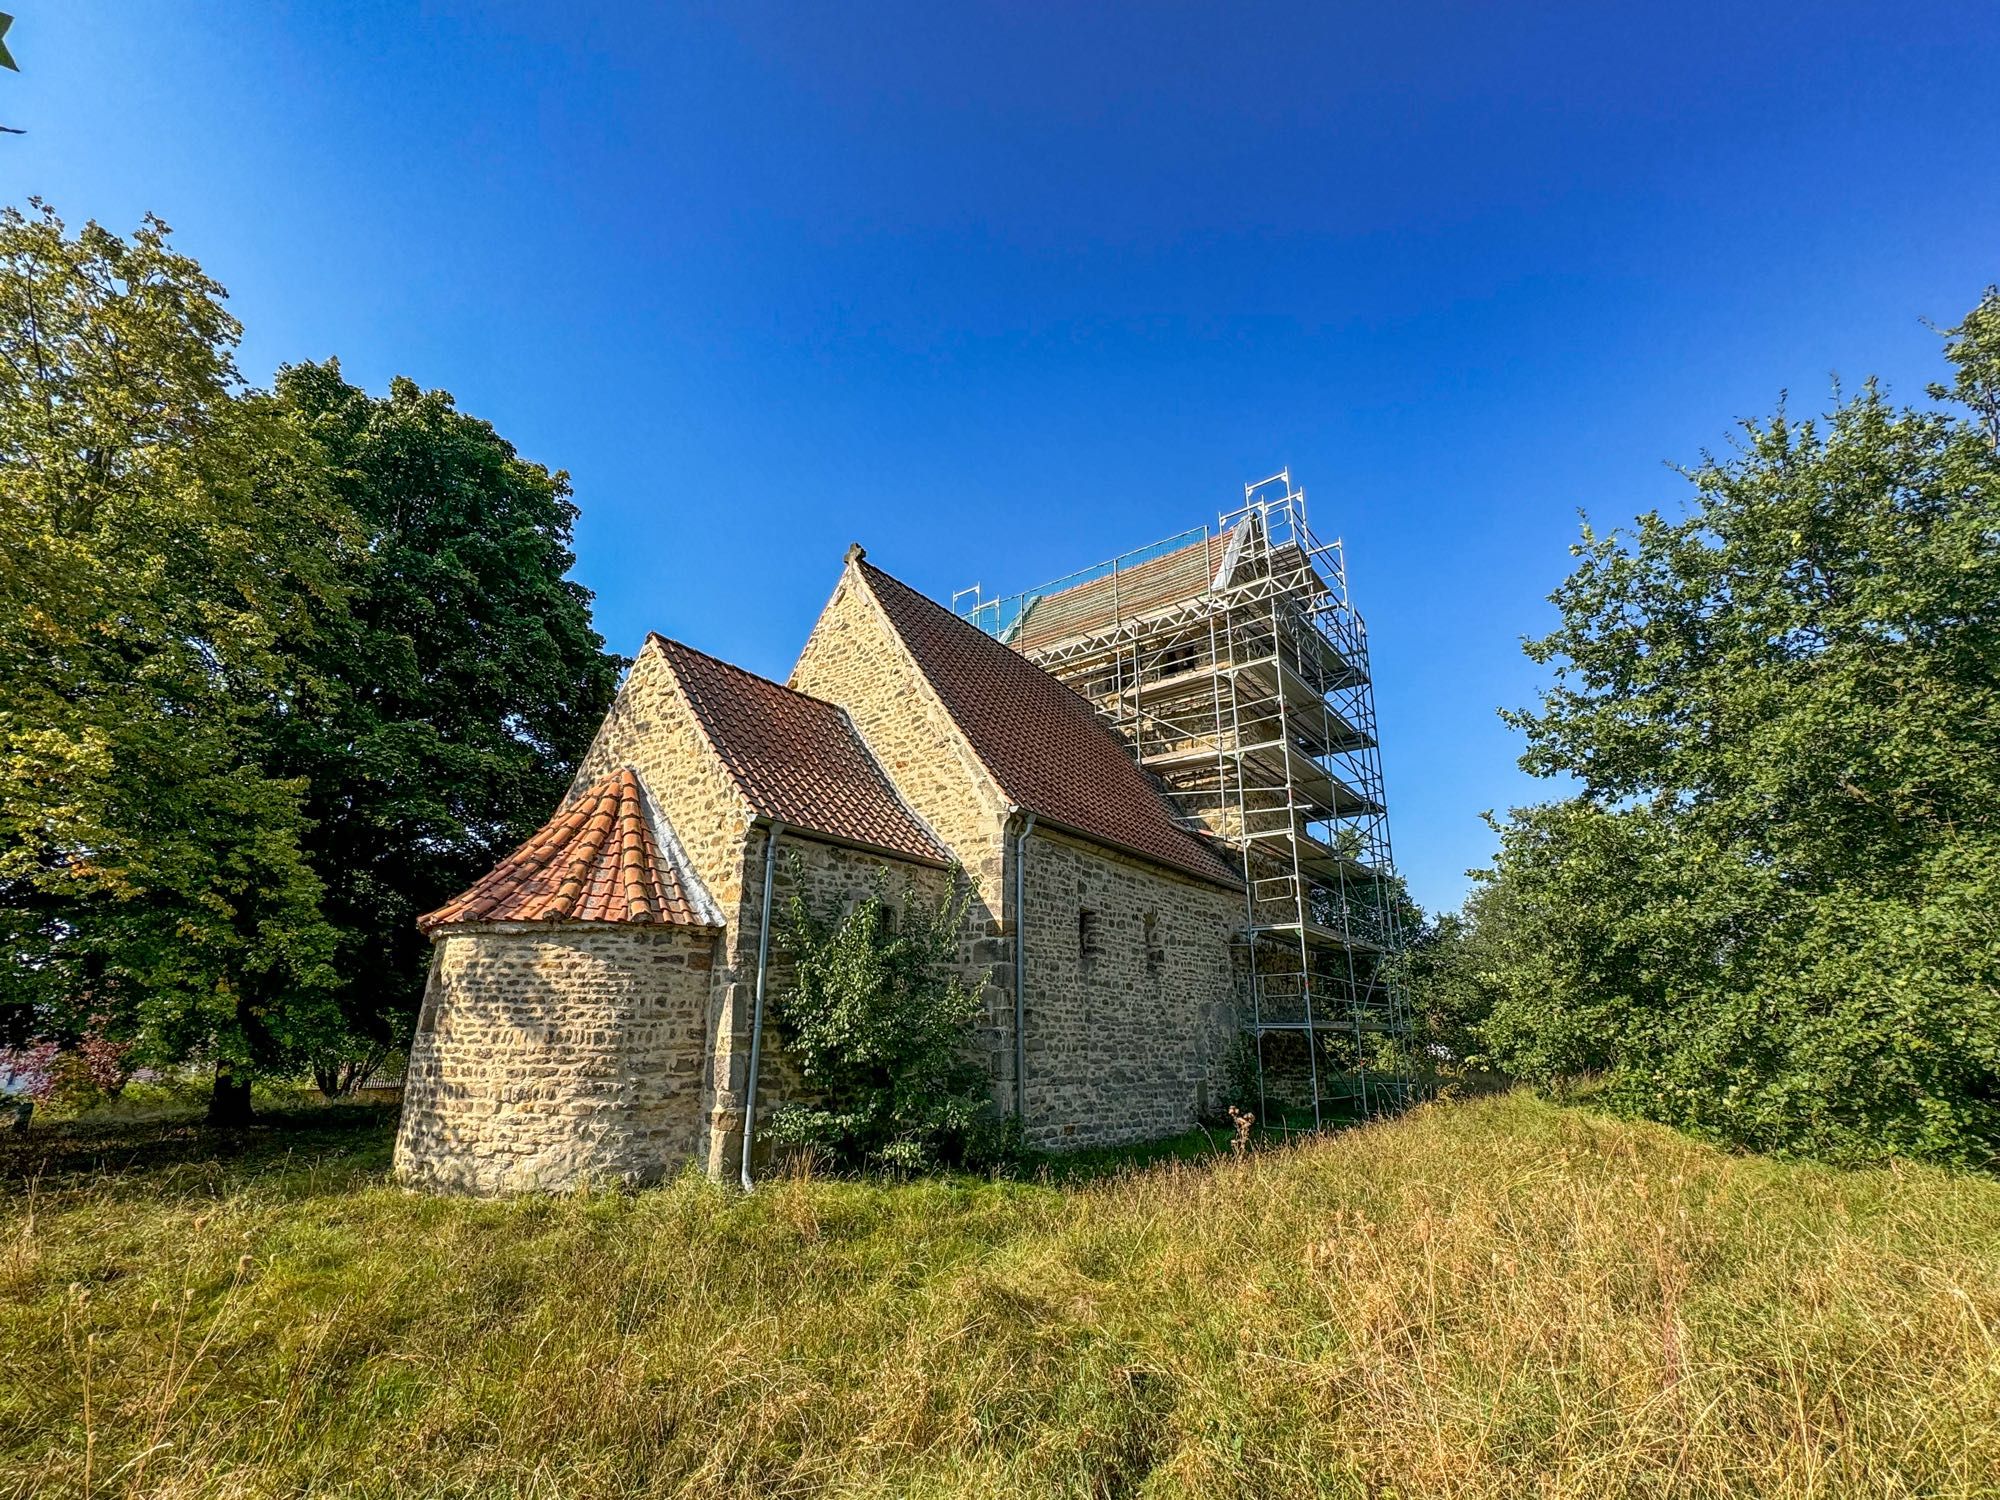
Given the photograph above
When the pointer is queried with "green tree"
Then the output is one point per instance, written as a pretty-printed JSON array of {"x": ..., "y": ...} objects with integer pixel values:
[
  {"x": 1766, "y": 914},
  {"x": 165, "y": 535},
  {"x": 456, "y": 691},
  {"x": 1439, "y": 968}
]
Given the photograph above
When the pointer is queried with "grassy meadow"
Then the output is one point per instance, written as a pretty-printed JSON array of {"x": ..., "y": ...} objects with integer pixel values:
[{"x": 1499, "y": 1297}]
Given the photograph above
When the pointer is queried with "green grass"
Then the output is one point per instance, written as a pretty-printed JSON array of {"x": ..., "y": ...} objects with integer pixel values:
[{"x": 1501, "y": 1297}]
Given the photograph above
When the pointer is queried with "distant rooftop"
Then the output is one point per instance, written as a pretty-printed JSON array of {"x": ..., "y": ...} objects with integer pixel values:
[{"x": 1120, "y": 590}]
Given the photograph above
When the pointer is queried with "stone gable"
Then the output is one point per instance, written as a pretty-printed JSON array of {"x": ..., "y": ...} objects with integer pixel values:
[
  {"x": 652, "y": 728},
  {"x": 855, "y": 659}
]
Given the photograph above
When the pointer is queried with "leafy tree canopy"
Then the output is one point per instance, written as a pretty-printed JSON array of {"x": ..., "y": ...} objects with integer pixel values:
[
  {"x": 165, "y": 538},
  {"x": 282, "y": 670},
  {"x": 1766, "y": 914},
  {"x": 455, "y": 691}
]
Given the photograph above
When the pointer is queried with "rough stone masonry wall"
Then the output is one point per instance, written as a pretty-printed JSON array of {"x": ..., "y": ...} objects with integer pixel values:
[
  {"x": 549, "y": 1056},
  {"x": 652, "y": 727},
  {"x": 854, "y": 659},
  {"x": 833, "y": 879},
  {"x": 1132, "y": 996}
]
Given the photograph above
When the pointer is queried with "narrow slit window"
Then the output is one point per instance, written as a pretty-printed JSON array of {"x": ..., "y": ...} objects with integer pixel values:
[{"x": 1087, "y": 940}]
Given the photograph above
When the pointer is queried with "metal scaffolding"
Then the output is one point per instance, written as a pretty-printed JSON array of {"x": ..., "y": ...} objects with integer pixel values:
[{"x": 1234, "y": 664}]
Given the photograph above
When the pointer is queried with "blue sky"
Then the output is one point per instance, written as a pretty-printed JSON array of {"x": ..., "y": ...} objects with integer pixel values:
[{"x": 1000, "y": 291}]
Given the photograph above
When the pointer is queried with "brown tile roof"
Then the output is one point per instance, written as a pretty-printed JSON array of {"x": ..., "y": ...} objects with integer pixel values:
[
  {"x": 1042, "y": 742},
  {"x": 797, "y": 758},
  {"x": 596, "y": 860},
  {"x": 1133, "y": 589}
]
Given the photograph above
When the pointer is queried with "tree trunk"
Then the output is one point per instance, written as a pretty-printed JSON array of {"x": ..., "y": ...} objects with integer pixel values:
[{"x": 230, "y": 1103}]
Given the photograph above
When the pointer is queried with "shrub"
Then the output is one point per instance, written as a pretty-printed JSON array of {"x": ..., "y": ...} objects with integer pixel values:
[
  {"x": 69, "y": 1079},
  {"x": 880, "y": 1030}
]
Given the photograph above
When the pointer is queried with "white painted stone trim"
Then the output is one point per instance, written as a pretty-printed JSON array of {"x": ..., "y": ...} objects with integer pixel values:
[{"x": 670, "y": 849}]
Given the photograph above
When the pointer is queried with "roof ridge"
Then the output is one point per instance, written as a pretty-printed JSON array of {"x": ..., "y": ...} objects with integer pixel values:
[
  {"x": 923, "y": 672},
  {"x": 721, "y": 661},
  {"x": 680, "y": 879},
  {"x": 599, "y": 812},
  {"x": 919, "y": 594},
  {"x": 973, "y": 632},
  {"x": 639, "y": 883}
]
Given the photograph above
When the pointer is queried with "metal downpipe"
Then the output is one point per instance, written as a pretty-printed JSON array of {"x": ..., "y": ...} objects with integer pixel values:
[
  {"x": 1021, "y": 970},
  {"x": 757, "y": 1009}
]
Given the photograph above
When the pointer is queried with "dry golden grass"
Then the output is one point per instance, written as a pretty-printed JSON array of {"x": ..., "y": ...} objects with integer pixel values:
[{"x": 1494, "y": 1298}]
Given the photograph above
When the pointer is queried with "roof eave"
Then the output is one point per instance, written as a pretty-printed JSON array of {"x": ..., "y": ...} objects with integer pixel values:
[
  {"x": 1145, "y": 856},
  {"x": 939, "y": 861},
  {"x": 435, "y": 930}
]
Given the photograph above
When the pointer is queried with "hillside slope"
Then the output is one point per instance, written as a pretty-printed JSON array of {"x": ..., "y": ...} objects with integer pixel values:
[{"x": 1501, "y": 1297}]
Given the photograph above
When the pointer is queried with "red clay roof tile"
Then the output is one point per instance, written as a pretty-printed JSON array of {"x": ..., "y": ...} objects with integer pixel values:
[
  {"x": 596, "y": 860},
  {"x": 797, "y": 758},
  {"x": 1042, "y": 742}
]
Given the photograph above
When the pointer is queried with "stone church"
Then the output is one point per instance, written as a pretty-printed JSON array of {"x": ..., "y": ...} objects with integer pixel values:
[{"x": 592, "y": 1009}]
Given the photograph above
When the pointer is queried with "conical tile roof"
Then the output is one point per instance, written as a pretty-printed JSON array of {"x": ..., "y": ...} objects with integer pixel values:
[{"x": 596, "y": 860}]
